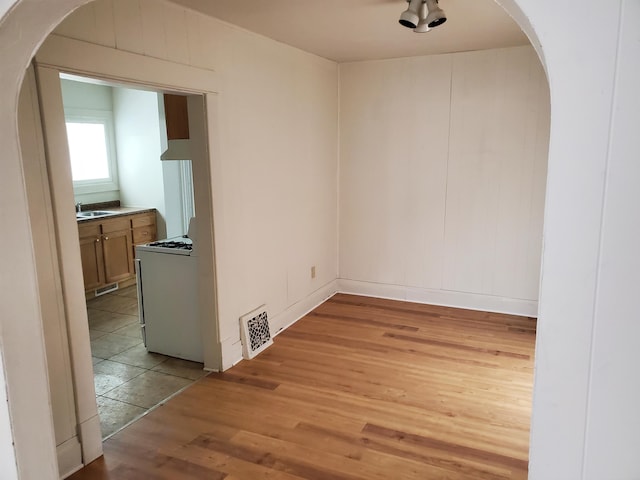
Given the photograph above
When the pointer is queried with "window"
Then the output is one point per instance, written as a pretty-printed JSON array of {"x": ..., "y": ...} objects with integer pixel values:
[{"x": 92, "y": 151}]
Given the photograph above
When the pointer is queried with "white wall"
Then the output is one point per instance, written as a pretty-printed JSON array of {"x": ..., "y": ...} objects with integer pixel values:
[
  {"x": 140, "y": 172},
  {"x": 21, "y": 333},
  {"x": 275, "y": 192},
  {"x": 613, "y": 428},
  {"x": 8, "y": 469},
  {"x": 84, "y": 95},
  {"x": 173, "y": 199},
  {"x": 442, "y": 175}
]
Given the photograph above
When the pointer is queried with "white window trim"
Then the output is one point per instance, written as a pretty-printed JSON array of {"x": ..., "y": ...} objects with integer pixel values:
[{"x": 105, "y": 117}]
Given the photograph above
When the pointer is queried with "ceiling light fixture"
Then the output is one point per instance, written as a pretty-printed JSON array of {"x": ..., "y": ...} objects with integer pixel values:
[
  {"x": 422, "y": 15},
  {"x": 411, "y": 16},
  {"x": 423, "y": 25},
  {"x": 436, "y": 14}
]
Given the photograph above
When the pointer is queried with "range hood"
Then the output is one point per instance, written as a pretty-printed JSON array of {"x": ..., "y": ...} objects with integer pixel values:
[{"x": 177, "y": 150}]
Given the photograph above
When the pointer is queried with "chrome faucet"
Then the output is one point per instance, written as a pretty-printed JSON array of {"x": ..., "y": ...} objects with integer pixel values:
[{"x": 78, "y": 207}]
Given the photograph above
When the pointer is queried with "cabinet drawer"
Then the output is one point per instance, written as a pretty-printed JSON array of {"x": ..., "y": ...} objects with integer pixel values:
[
  {"x": 116, "y": 225},
  {"x": 91, "y": 229},
  {"x": 144, "y": 234},
  {"x": 143, "y": 220}
]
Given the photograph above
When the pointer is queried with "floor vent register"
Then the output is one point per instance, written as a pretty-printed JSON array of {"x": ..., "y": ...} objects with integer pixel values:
[{"x": 254, "y": 332}]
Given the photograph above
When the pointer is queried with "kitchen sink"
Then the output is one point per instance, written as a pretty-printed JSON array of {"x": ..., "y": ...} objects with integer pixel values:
[{"x": 94, "y": 213}]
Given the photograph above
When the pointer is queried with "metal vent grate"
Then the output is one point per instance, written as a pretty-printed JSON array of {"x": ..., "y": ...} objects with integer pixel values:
[
  {"x": 107, "y": 289},
  {"x": 255, "y": 332}
]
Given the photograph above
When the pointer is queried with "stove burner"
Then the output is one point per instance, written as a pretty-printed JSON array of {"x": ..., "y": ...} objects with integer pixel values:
[{"x": 172, "y": 244}]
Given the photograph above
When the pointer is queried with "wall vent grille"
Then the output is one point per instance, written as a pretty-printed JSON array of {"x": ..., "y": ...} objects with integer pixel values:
[{"x": 255, "y": 332}]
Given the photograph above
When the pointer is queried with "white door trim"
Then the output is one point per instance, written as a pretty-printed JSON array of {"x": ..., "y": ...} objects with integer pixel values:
[
  {"x": 64, "y": 55},
  {"x": 83, "y": 58}
]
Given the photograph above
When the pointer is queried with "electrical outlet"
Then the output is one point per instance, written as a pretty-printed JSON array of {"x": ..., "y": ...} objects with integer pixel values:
[{"x": 313, "y": 271}]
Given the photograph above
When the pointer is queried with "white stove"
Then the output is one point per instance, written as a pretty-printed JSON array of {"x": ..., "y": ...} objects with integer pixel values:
[
  {"x": 168, "y": 298},
  {"x": 175, "y": 246}
]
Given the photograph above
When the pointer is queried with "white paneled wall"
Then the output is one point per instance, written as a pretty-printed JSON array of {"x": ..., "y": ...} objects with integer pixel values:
[
  {"x": 394, "y": 129},
  {"x": 442, "y": 178},
  {"x": 498, "y": 147},
  {"x": 275, "y": 191},
  {"x": 140, "y": 170}
]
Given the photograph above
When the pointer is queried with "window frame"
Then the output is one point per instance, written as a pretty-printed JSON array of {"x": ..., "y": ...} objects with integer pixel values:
[{"x": 105, "y": 118}]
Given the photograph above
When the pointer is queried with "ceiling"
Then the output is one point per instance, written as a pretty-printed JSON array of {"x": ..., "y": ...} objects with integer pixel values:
[{"x": 352, "y": 30}]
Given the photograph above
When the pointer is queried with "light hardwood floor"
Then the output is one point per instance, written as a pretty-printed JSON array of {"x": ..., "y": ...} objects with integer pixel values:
[{"x": 360, "y": 388}]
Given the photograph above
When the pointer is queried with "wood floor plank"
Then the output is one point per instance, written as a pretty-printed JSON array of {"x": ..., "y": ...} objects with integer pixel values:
[{"x": 360, "y": 388}]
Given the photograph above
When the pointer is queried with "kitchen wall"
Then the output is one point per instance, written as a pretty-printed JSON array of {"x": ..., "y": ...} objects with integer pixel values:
[
  {"x": 275, "y": 191},
  {"x": 140, "y": 170},
  {"x": 91, "y": 96},
  {"x": 86, "y": 95},
  {"x": 442, "y": 178},
  {"x": 144, "y": 180}
]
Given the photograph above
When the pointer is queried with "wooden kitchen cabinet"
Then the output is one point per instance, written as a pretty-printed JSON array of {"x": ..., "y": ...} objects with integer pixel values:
[
  {"x": 144, "y": 228},
  {"x": 91, "y": 255},
  {"x": 177, "y": 116},
  {"x": 117, "y": 250},
  {"x": 107, "y": 247}
]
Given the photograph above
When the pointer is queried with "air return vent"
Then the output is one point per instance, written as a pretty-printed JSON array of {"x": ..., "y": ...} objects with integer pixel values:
[
  {"x": 108, "y": 289},
  {"x": 255, "y": 333}
]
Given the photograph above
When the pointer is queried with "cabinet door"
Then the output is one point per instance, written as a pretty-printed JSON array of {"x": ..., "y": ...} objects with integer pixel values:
[
  {"x": 92, "y": 263},
  {"x": 118, "y": 262},
  {"x": 177, "y": 116}
]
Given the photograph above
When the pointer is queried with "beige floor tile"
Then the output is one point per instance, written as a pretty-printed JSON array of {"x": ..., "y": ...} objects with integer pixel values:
[
  {"x": 181, "y": 368},
  {"x": 95, "y": 334},
  {"x": 131, "y": 310},
  {"x": 95, "y": 315},
  {"x": 108, "y": 375},
  {"x": 148, "y": 389},
  {"x": 139, "y": 357},
  {"x": 110, "y": 322},
  {"x": 109, "y": 345},
  {"x": 130, "y": 291},
  {"x": 115, "y": 415},
  {"x": 114, "y": 303},
  {"x": 132, "y": 331}
]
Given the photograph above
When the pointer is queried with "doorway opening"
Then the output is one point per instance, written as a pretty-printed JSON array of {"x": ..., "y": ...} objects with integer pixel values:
[
  {"x": 117, "y": 136},
  {"x": 77, "y": 422}
]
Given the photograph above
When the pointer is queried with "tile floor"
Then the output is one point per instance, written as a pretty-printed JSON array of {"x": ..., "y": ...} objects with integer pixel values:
[{"x": 129, "y": 380}]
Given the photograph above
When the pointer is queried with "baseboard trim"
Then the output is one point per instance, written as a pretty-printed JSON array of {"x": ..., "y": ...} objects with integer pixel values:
[
  {"x": 446, "y": 298},
  {"x": 295, "y": 312},
  {"x": 231, "y": 352},
  {"x": 232, "y": 348},
  {"x": 91, "y": 437},
  {"x": 69, "y": 455}
]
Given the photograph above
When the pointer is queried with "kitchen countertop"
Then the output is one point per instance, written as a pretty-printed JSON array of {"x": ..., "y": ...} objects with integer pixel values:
[{"x": 118, "y": 212}]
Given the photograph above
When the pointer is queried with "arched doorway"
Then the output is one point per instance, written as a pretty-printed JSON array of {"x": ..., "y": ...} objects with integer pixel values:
[{"x": 580, "y": 149}]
